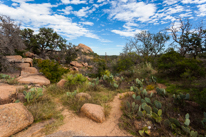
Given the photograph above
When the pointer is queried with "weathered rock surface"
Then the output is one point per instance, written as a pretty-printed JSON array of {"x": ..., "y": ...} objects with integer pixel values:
[
  {"x": 84, "y": 48},
  {"x": 15, "y": 58},
  {"x": 61, "y": 83},
  {"x": 8, "y": 93},
  {"x": 29, "y": 54},
  {"x": 83, "y": 95},
  {"x": 35, "y": 130},
  {"x": 66, "y": 134},
  {"x": 13, "y": 118},
  {"x": 28, "y": 60},
  {"x": 93, "y": 111},
  {"x": 33, "y": 79},
  {"x": 21, "y": 97},
  {"x": 85, "y": 64},
  {"x": 22, "y": 65},
  {"x": 76, "y": 64},
  {"x": 29, "y": 70}
]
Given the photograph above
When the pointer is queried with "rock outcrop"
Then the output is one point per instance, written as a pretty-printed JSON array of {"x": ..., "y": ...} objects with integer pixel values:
[
  {"x": 33, "y": 79},
  {"x": 14, "y": 117},
  {"x": 19, "y": 61},
  {"x": 8, "y": 93},
  {"x": 93, "y": 111},
  {"x": 84, "y": 48}
]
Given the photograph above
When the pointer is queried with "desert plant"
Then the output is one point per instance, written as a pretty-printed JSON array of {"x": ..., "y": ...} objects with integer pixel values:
[{"x": 33, "y": 95}]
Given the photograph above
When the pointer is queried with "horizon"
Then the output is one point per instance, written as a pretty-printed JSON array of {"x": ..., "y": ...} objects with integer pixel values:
[{"x": 103, "y": 25}]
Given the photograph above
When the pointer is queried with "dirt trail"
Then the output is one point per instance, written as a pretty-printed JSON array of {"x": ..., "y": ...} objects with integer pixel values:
[{"x": 83, "y": 124}]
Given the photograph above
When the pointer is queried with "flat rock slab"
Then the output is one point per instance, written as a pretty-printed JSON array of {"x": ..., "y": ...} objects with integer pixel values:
[
  {"x": 29, "y": 70},
  {"x": 35, "y": 130},
  {"x": 33, "y": 79},
  {"x": 7, "y": 92},
  {"x": 15, "y": 58},
  {"x": 93, "y": 111},
  {"x": 22, "y": 65},
  {"x": 14, "y": 117}
]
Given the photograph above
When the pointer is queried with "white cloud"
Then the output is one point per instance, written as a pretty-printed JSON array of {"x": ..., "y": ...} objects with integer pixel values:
[
  {"x": 87, "y": 23},
  {"x": 126, "y": 33},
  {"x": 120, "y": 46},
  {"x": 84, "y": 11},
  {"x": 170, "y": 2},
  {"x": 40, "y": 15},
  {"x": 100, "y": 1},
  {"x": 176, "y": 9},
  {"x": 21, "y": 1},
  {"x": 193, "y": 1},
  {"x": 74, "y": 1},
  {"x": 91, "y": 1},
  {"x": 67, "y": 10},
  {"x": 15, "y": 4},
  {"x": 131, "y": 11},
  {"x": 202, "y": 10}
]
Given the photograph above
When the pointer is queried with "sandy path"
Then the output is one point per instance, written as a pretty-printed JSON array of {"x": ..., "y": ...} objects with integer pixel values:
[{"x": 83, "y": 124}]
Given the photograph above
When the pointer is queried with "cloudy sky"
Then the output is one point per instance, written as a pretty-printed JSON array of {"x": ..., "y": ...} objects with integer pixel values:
[{"x": 103, "y": 25}]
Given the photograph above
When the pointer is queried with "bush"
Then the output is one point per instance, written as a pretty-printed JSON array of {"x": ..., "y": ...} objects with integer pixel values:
[
  {"x": 74, "y": 80},
  {"x": 173, "y": 64},
  {"x": 53, "y": 71},
  {"x": 126, "y": 62}
]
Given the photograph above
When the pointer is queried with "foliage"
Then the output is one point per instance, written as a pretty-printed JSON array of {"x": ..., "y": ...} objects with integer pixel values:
[
  {"x": 33, "y": 94},
  {"x": 71, "y": 94},
  {"x": 94, "y": 84},
  {"x": 125, "y": 62},
  {"x": 53, "y": 71},
  {"x": 179, "y": 99},
  {"x": 173, "y": 64},
  {"x": 74, "y": 80},
  {"x": 109, "y": 79}
]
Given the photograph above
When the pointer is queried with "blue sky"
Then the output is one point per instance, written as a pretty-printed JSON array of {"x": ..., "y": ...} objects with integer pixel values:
[{"x": 103, "y": 25}]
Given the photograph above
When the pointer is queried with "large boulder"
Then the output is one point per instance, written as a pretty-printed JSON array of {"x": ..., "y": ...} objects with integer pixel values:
[
  {"x": 84, "y": 48},
  {"x": 33, "y": 79},
  {"x": 29, "y": 70},
  {"x": 14, "y": 117},
  {"x": 76, "y": 64},
  {"x": 14, "y": 59},
  {"x": 8, "y": 93},
  {"x": 35, "y": 130},
  {"x": 93, "y": 111}
]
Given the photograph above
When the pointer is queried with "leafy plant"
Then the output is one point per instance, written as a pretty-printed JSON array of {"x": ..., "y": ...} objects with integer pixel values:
[
  {"x": 71, "y": 94},
  {"x": 204, "y": 120},
  {"x": 179, "y": 99},
  {"x": 33, "y": 94},
  {"x": 161, "y": 91},
  {"x": 53, "y": 71}
]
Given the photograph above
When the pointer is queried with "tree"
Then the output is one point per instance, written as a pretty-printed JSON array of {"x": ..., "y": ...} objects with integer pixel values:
[
  {"x": 10, "y": 39},
  {"x": 147, "y": 44},
  {"x": 30, "y": 40},
  {"x": 48, "y": 40},
  {"x": 191, "y": 41}
]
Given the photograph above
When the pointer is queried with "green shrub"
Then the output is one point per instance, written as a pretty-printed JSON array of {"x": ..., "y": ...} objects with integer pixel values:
[
  {"x": 53, "y": 71},
  {"x": 74, "y": 80},
  {"x": 126, "y": 62},
  {"x": 173, "y": 64}
]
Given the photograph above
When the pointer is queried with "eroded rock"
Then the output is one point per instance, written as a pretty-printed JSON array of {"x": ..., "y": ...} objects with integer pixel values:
[
  {"x": 14, "y": 117},
  {"x": 33, "y": 79},
  {"x": 76, "y": 64},
  {"x": 8, "y": 93},
  {"x": 93, "y": 111},
  {"x": 29, "y": 70},
  {"x": 61, "y": 83}
]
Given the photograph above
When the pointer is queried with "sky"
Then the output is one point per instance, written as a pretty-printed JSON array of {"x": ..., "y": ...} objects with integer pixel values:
[{"x": 103, "y": 25}]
